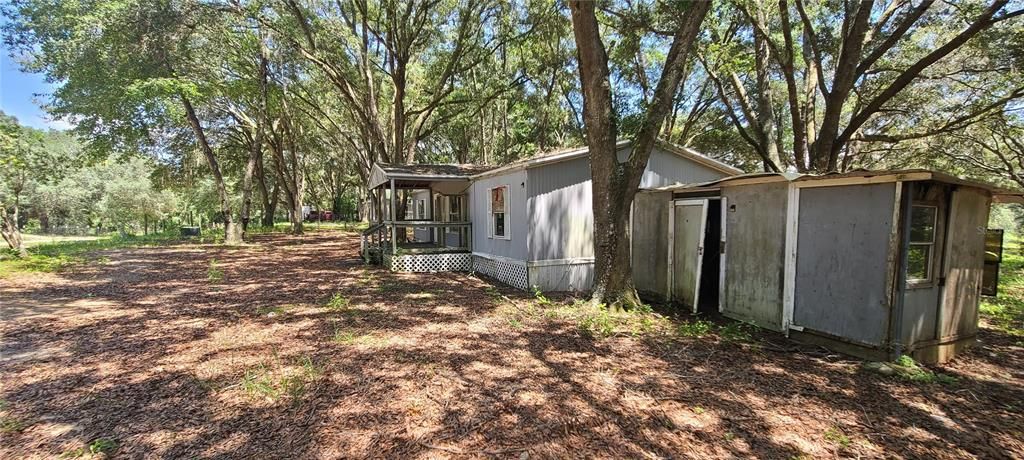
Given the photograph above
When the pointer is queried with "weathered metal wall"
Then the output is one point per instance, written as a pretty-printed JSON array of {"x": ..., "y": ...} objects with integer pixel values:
[
  {"x": 515, "y": 247},
  {"x": 666, "y": 168},
  {"x": 650, "y": 243},
  {"x": 561, "y": 213},
  {"x": 964, "y": 262},
  {"x": 755, "y": 240},
  {"x": 842, "y": 261},
  {"x": 921, "y": 300},
  {"x": 562, "y": 210}
]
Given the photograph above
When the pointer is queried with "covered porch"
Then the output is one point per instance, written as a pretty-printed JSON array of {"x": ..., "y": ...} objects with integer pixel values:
[{"x": 420, "y": 217}]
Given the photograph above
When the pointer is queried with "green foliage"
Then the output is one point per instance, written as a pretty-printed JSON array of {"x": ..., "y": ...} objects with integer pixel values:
[
  {"x": 836, "y": 436},
  {"x": 599, "y": 324},
  {"x": 908, "y": 369},
  {"x": 695, "y": 329},
  {"x": 52, "y": 257},
  {"x": 1005, "y": 312},
  {"x": 102, "y": 446},
  {"x": 735, "y": 331},
  {"x": 290, "y": 381},
  {"x": 337, "y": 302},
  {"x": 214, "y": 274},
  {"x": 9, "y": 424},
  {"x": 538, "y": 295}
]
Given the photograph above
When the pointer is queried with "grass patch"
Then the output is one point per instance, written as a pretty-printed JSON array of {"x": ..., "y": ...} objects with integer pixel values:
[
  {"x": 736, "y": 332},
  {"x": 291, "y": 381},
  {"x": 98, "y": 446},
  {"x": 272, "y": 310},
  {"x": 56, "y": 256},
  {"x": 836, "y": 436},
  {"x": 344, "y": 337},
  {"x": 10, "y": 425},
  {"x": 1005, "y": 312},
  {"x": 908, "y": 369},
  {"x": 695, "y": 329},
  {"x": 337, "y": 302},
  {"x": 214, "y": 274}
]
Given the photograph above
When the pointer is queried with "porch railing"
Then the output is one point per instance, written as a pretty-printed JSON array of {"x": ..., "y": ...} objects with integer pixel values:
[{"x": 417, "y": 236}]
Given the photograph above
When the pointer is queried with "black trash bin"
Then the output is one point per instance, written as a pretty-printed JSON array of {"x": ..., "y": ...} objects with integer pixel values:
[{"x": 190, "y": 231}]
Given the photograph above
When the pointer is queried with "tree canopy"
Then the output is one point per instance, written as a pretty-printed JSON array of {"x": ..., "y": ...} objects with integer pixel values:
[{"x": 278, "y": 104}]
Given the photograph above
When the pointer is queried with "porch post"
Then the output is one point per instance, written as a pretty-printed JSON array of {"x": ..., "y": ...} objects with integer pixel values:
[{"x": 394, "y": 231}]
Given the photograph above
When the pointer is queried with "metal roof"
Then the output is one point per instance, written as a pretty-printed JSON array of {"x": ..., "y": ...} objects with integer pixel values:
[{"x": 1000, "y": 194}]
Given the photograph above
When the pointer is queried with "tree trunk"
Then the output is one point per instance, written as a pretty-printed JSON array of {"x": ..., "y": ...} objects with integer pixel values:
[
  {"x": 615, "y": 183},
  {"x": 232, "y": 232},
  {"x": 11, "y": 234}
]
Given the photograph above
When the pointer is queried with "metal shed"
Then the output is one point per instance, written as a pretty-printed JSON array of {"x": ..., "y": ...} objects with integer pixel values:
[{"x": 870, "y": 263}]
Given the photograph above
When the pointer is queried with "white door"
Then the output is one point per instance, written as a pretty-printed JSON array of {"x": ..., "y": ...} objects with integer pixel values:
[{"x": 689, "y": 219}]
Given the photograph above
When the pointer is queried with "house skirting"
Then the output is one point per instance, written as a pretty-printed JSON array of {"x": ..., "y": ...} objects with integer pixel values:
[
  {"x": 509, "y": 271},
  {"x": 429, "y": 263},
  {"x": 562, "y": 274},
  {"x": 546, "y": 275}
]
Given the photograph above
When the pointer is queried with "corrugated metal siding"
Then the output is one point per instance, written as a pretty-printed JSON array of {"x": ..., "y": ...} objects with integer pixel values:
[
  {"x": 665, "y": 168},
  {"x": 841, "y": 268},
  {"x": 650, "y": 244},
  {"x": 560, "y": 200},
  {"x": 563, "y": 277},
  {"x": 755, "y": 244},
  {"x": 562, "y": 218},
  {"x": 515, "y": 248}
]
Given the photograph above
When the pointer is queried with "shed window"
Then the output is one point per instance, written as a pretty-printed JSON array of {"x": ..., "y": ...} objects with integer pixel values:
[
  {"x": 498, "y": 209},
  {"x": 922, "y": 243}
]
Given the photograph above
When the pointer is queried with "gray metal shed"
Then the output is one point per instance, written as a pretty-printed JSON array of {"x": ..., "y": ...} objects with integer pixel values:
[{"x": 871, "y": 263}]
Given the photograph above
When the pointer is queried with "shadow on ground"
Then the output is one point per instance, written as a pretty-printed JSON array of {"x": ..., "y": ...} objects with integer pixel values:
[{"x": 290, "y": 347}]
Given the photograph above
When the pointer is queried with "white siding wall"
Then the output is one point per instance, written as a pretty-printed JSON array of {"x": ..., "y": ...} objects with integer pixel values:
[{"x": 515, "y": 247}]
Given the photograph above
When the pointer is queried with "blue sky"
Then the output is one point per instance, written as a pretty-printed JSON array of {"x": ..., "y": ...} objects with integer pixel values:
[{"x": 21, "y": 93}]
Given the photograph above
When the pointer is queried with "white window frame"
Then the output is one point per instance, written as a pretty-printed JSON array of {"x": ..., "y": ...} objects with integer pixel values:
[
  {"x": 490, "y": 213},
  {"x": 930, "y": 262}
]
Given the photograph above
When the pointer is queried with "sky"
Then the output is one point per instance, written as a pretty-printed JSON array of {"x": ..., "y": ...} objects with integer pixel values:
[{"x": 21, "y": 94}]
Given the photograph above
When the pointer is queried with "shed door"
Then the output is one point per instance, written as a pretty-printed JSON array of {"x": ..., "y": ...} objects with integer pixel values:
[
  {"x": 688, "y": 221},
  {"x": 965, "y": 259}
]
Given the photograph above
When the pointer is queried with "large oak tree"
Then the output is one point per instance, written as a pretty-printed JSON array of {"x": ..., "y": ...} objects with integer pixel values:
[{"x": 615, "y": 182}]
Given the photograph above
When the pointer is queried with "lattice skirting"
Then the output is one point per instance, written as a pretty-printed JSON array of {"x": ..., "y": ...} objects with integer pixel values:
[
  {"x": 455, "y": 262},
  {"x": 511, "y": 273}
]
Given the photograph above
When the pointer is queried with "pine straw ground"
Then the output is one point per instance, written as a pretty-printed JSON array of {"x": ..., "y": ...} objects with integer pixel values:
[{"x": 156, "y": 353}]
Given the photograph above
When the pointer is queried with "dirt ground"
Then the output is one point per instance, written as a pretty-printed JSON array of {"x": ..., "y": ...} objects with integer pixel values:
[{"x": 169, "y": 356}]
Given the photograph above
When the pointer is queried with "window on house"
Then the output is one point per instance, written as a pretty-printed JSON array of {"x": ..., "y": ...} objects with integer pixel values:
[
  {"x": 922, "y": 243},
  {"x": 421, "y": 209},
  {"x": 498, "y": 209}
]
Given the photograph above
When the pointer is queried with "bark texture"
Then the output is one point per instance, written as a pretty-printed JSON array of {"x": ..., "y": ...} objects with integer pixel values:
[{"x": 615, "y": 183}]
